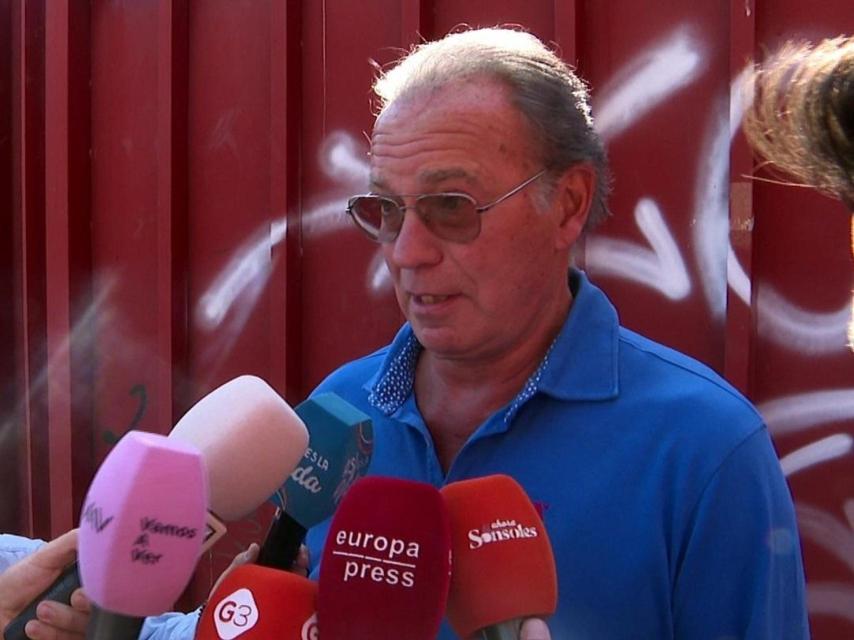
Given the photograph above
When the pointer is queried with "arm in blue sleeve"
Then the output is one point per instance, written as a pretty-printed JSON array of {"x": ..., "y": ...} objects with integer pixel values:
[
  {"x": 14, "y": 548},
  {"x": 740, "y": 573},
  {"x": 171, "y": 626}
]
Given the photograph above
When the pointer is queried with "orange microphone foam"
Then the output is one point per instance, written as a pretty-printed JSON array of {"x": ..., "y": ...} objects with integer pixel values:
[
  {"x": 503, "y": 568},
  {"x": 255, "y": 602}
]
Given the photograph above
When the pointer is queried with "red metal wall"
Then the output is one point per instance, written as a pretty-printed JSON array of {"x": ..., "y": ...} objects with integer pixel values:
[{"x": 172, "y": 183}]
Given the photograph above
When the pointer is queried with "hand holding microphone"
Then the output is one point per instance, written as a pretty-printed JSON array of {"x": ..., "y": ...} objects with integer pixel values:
[
  {"x": 535, "y": 629},
  {"x": 24, "y": 581}
]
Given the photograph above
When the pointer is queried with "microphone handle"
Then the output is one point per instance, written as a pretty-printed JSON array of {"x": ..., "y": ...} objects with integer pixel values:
[
  {"x": 59, "y": 591},
  {"x": 507, "y": 630},
  {"x": 105, "y": 625},
  {"x": 281, "y": 546}
]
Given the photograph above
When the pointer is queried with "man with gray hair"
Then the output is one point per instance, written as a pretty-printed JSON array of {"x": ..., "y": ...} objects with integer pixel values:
[{"x": 663, "y": 498}]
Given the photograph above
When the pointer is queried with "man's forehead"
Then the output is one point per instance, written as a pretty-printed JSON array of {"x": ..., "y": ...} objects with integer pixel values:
[{"x": 448, "y": 133}]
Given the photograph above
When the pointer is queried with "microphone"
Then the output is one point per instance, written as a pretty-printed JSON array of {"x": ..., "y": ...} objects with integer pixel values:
[
  {"x": 339, "y": 451},
  {"x": 385, "y": 570},
  {"x": 258, "y": 602},
  {"x": 250, "y": 440},
  {"x": 503, "y": 567},
  {"x": 141, "y": 530}
]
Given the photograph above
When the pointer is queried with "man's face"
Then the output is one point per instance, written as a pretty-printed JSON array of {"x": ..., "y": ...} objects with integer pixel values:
[{"x": 480, "y": 299}]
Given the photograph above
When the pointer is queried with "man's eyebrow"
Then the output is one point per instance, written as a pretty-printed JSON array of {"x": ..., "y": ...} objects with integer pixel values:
[
  {"x": 426, "y": 177},
  {"x": 377, "y": 184}
]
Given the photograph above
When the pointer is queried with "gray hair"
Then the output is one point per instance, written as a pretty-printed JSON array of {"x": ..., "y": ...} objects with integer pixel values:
[{"x": 546, "y": 91}]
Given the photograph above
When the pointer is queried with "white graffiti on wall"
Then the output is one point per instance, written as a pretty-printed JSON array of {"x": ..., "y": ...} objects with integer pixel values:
[
  {"x": 798, "y": 412},
  {"x": 661, "y": 267},
  {"x": 652, "y": 77},
  {"x": 835, "y": 537},
  {"x": 816, "y": 453}
]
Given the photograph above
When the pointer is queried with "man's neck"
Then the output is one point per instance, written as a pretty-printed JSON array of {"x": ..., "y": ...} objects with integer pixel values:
[{"x": 455, "y": 396}]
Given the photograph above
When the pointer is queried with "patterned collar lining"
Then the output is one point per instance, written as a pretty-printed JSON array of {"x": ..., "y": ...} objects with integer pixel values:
[
  {"x": 395, "y": 386},
  {"x": 392, "y": 390}
]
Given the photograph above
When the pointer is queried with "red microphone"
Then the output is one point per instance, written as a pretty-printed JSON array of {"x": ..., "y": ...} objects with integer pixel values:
[
  {"x": 262, "y": 603},
  {"x": 503, "y": 568},
  {"x": 386, "y": 564}
]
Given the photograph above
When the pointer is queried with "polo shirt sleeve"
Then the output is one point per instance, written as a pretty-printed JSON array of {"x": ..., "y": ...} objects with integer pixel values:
[
  {"x": 171, "y": 626},
  {"x": 739, "y": 573},
  {"x": 14, "y": 548}
]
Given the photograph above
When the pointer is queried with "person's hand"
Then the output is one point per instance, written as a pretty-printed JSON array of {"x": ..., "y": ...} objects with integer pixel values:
[
  {"x": 21, "y": 583},
  {"x": 532, "y": 629},
  {"x": 246, "y": 557},
  {"x": 535, "y": 629},
  {"x": 301, "y": 564}
]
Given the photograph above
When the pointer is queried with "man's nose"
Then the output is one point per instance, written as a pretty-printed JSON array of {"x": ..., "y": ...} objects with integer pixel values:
[{"x": 415, "y": 245}]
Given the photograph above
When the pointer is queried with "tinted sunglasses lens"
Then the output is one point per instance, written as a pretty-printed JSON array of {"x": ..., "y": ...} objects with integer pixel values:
[
  {"x": 379, "y": 217},
  {"x": 450, "y": 216}
]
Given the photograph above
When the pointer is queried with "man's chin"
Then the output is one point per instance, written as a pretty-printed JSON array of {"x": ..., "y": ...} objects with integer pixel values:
[{"x": 438, "y": 340}]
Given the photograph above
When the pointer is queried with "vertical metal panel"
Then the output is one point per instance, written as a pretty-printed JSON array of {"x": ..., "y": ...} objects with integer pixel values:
[
  {"x": 538, "y": 17},
  {"x": 566, "y": 22},
  {"x": 28, "y": 213},
  {"x": 57, "y": 240},
  {"x": 739, "y": 311},
  {"x": 172, "y": 240},
  {"x": 9, "y": 517},
  {"x": 286, "y": 316},
  {"x": 415, "y": 22},
  {"x": 132, "y": 312},
  {"x": 68, "y": 259}
]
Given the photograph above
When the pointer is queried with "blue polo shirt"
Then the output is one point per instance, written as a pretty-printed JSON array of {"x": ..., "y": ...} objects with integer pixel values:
[{"x": 662, "y": 494}]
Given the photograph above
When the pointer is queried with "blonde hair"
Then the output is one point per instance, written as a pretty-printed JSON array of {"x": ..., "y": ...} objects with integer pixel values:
[
  {"x": 801, "y": 121},
  {"x": 802, "y": 117}
]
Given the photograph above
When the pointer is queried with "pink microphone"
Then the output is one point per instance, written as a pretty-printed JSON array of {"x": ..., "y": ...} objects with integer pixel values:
[{"x": 141, "y": 530}]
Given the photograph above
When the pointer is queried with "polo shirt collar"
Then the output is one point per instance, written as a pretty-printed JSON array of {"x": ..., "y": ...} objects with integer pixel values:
[
  {"x": 581, "y": 364},
  {"x": 584, "y": 360}
]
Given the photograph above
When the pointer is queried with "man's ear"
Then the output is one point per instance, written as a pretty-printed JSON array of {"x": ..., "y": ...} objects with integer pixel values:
[{"x": 574, "y": 197}]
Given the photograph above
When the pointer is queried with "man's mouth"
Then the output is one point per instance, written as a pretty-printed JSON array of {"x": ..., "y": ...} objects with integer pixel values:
[{"x": 430, "y": 299}]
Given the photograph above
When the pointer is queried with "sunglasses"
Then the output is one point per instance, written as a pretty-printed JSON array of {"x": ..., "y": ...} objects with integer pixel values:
[{"x": 450, "y": 216}]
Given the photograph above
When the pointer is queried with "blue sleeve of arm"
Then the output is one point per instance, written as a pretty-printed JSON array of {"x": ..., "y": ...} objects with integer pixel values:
[
  {"x": 14, "y": 548},
  {"x": 171, "y": 626},
  {"x": 740, "y": 572}
]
